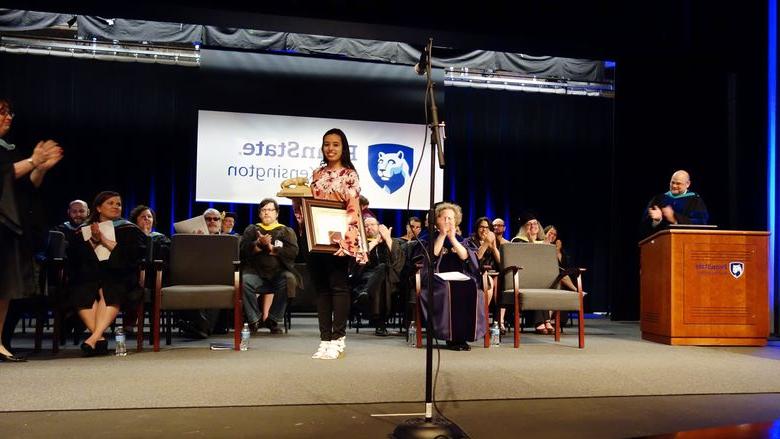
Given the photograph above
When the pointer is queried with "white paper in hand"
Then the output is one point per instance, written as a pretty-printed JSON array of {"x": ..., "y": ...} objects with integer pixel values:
[
  {"x": 107, "y": 230},
  {"x": 192, "y": 225},
  {"x": 452, "y": 275}
]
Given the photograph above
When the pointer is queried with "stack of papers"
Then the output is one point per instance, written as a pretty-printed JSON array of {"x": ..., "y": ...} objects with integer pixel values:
[{"x": 452, "y": 275}]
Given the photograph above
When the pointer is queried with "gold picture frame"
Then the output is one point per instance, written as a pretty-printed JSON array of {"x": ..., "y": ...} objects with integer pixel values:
[{"x": 324, "y": 221}]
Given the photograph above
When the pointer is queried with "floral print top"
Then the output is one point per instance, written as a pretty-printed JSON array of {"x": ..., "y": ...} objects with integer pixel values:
[{"x": 341, "y": 185}]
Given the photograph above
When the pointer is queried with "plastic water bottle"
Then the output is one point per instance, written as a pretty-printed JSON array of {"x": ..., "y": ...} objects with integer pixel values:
[
  {"x": 495, "y": 335},
  {"x": 121, "y": 348},
  {"x": 413, "y": 334},
  {"x": 245, "y": 337}
]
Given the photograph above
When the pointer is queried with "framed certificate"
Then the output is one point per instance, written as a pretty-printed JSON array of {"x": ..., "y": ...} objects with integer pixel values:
[{"x": 325, "y": 222}]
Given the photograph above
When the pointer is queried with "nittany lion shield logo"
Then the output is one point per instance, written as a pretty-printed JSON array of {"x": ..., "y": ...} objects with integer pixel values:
[
  {"x": 736, "y": 269},
  {"x": 390, "y": 165}
]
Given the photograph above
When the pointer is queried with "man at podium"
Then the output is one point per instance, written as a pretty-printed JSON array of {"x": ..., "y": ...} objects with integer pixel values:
[{"x": 678, "y": 206}]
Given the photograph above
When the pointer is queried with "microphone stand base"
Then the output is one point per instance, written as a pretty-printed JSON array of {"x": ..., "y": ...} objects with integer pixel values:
[{"x": 420, "y": 428}]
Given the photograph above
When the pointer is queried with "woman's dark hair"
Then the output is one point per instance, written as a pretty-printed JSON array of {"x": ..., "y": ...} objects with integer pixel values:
[
  {"x": 268, "y": 201},
  {"x": 101, "y": 198},
  {"x": 346, "y": 161},
  {"x": 138, "y": 210},
  {"x": 475, "y": 232}
]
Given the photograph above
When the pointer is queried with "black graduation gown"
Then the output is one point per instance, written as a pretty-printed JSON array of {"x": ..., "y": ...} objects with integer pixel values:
[{"x": 117, "y": 276}]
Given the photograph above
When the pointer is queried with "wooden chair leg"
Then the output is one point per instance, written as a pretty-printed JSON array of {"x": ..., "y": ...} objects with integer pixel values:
[
  {"x": 557, "y": 326},
  {"x": 418, "y": 323},
  {"x": 517, "y": 320},
  {"x": 237, "y": 326},
  {"x": 487, "y": 320},
  {"x": 581, "y": 315},
  {"x": 156, "y": 325}
]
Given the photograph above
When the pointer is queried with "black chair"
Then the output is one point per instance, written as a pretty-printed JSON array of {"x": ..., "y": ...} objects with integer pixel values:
[
  {"x": 145, "y": 269},
  {"x": 52, "y": 284}
]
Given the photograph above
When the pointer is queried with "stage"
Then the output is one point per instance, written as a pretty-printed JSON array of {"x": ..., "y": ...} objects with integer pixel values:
[{"x": 278, "y": 370}]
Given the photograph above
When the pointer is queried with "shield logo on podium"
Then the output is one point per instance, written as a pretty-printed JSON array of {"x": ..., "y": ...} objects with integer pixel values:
[{"x": 736, "y": 269}]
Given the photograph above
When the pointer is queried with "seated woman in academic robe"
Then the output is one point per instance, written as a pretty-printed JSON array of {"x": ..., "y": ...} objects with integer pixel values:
[
  {"x": 458, "y": 305},
  {"x": 103, "y": 268},
  {"x": 531, "y": 232},
  {"x": 486, "y": 243},
  {"x": 157, "y": 247}
]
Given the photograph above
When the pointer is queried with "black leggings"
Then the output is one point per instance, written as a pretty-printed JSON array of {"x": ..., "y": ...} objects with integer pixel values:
[{"x": 330, "y": 275}]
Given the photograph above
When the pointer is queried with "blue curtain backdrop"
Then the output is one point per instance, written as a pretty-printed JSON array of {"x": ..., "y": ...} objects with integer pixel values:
[
  {"x": 509, "y": 152},
  {"x": 587, "y": 165}
]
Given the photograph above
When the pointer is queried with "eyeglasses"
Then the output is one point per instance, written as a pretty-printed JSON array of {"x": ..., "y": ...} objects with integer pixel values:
[
  {"x": 483, "y": 227},
  {"x": 268, "y": 209},
  {"x": 7, "y": 112},
  {"x": 212, "y": 218}
]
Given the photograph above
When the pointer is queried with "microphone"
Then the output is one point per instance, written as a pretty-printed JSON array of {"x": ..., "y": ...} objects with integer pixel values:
[{"x": 421, "y": 65}]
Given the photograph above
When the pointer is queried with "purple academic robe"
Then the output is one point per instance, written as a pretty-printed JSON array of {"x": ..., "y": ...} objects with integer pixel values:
[{"x": 458, "y": 306}]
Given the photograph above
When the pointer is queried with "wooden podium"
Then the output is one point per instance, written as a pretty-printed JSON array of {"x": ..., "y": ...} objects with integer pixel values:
[{"x": 705, "y": 287}]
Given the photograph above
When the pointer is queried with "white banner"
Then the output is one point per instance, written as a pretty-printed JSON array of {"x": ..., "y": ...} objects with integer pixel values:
[{"x": 243, "y": 158}]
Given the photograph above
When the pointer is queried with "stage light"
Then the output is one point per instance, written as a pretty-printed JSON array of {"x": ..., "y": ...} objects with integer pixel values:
[
  {"x": 102, "y": 50},
  {"x": 465, "y": 77}
]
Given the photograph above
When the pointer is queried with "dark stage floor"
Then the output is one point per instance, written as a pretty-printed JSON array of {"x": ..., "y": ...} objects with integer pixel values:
[{"x": 614, "y": 417}]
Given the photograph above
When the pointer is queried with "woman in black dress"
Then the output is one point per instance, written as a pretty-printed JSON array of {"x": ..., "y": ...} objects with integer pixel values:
[
  {"x": 20, "y": 176},
  {"x": 103, "y": 266}
]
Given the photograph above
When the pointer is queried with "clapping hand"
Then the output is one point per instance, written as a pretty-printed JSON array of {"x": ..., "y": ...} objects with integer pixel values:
[
  {"x": 46, "y": 154},
  {"x": 361, "y": 257},
  {"x": 451, "y": 234},
  {"x": 668, "y": 214},
  {"x": 654, "y": 212},
  {"x": 97, "y": 237},
  {"x": 384, "y": 233},
  {"x": 264, "y": 241},
  {"x": 490, "y": 238}
]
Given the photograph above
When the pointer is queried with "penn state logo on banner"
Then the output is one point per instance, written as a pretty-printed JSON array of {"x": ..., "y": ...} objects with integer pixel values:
[
  {"x": 736, "y": 269},
  {"x": 390, "y": 165}
]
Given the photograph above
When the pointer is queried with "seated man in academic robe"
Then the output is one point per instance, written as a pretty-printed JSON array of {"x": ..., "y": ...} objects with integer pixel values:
[
  {"x": 268, "y": 250},
  {"x": 378, "y": 280}
]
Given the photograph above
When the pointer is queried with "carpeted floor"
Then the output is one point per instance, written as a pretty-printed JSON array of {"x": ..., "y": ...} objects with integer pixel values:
[{"x": 278, "y": 370}]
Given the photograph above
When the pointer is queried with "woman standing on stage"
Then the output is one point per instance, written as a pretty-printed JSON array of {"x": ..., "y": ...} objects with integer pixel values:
[
  {"x": 20, "y": 176},
  {"x": 336, "y": 179}
]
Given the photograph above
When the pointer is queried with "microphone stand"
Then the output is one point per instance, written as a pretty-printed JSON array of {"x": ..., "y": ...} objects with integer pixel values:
[{"x": 430, "y": 427}]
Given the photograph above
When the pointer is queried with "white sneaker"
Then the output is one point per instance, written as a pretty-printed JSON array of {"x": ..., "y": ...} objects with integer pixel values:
[
  {"x": 333, "y": 352},
  {"x": 340, "y": 343},
  {"x": 324, "y": 345}
]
